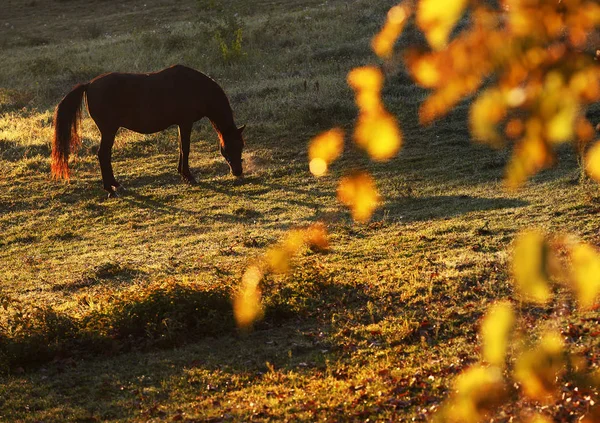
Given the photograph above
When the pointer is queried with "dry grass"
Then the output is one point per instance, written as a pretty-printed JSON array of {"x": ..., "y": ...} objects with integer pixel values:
[{"x": 119, "y": 308}]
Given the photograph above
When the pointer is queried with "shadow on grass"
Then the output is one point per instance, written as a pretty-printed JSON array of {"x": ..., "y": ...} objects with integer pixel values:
[
  {"x": 104, "y": 273},
  {"x": 294, "y": 337},
  {"x": 411, "y": 209},
  {"x": 253, "y": 187},
  {"x": 15, "y": 152},
  {"x": 161, "y": 315}
]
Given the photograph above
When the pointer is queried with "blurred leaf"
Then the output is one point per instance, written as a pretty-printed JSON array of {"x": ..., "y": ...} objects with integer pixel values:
[
  {"x": 560, "y": 126},
  {"x": 383, "y": 42},
  {"x": 530, "y": 261},
  {"x": 316, "y": 237},
  {"x": 424, "y": 69},
  {"x": 278, "y": 259},
  {"x": 318, "y": 166},
  {"x": 294, "y": 241},
  {"x": 479, "y": 390},
  {"x": 437, "y": 18},
  {"x": 486, "y": 112},
  {"x": 324, "y": 149},
  {"x": 366, "y": 78},
  {"x": 376, "y": 130},
  {"x": 592, "y": 161},
  {"x": 584, "y": 130},
  {"x": 367, "y": 83},
  {"x": 537, "y": 370},
  {"x": 514, "y": 128},
  {"x": 247, "y": 307},
  {"x": 530, "y": 155},
  {"x": 358, "y": 192},
  {"x": 379, "y": 135},
  {"x": 586, "y": 273},
  {"x": 495, "y": 331}
]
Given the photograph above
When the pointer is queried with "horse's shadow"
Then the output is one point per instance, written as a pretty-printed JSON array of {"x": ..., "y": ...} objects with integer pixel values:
[
  {"x": 252, "y": 187},
  {"x": 401, "y": 208}
]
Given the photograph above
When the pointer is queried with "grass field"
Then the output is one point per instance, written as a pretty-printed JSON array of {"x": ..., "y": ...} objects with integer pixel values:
[{"x": 119, "y": 309}]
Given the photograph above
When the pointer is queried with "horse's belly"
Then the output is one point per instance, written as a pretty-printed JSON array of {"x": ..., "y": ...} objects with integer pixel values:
[
  {"x": 147, "y": 120},
  {"x": 146, "y": 128}
]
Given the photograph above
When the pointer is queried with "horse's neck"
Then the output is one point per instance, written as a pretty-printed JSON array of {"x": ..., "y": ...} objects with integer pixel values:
[{"x": 222, "y": 119}]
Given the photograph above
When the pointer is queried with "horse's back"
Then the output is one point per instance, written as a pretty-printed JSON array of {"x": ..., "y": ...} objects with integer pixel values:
[{"x": 149, "y": 102}]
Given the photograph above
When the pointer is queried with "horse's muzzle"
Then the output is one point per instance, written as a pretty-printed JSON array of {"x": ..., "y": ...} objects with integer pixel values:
[{"x": 237, "y": 172}]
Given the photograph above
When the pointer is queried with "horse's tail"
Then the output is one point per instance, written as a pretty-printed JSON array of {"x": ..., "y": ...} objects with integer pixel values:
[{"x": 67, "y": 119}]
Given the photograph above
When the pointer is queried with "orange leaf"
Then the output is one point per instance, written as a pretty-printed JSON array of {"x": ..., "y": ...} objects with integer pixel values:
[
  {"x": 358, "y": 192},
  {"x": 437, "y": 18},
  {"x": 383, "y": 42}
]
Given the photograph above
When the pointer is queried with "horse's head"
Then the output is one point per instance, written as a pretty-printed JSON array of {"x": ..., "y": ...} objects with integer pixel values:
[{"x": 231, "y": 149}]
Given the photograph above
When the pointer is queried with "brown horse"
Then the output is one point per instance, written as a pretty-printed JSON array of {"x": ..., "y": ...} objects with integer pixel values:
[{"x": 145, "y": 103}]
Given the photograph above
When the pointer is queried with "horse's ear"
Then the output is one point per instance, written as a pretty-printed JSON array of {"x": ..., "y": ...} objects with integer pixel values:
[{"x": 241, "y": 128}]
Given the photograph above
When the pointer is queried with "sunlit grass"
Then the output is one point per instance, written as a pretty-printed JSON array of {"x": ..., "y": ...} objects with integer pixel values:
[{"x": 375, "y": 327}]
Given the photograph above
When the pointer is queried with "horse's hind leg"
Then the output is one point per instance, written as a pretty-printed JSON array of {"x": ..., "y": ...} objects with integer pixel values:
[
  {"x": 185, "y": 132},
  {"x": 104, "y": 157}
]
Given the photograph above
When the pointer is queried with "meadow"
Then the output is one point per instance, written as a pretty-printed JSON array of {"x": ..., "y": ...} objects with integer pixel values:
[{"x": 120, "y": 309}]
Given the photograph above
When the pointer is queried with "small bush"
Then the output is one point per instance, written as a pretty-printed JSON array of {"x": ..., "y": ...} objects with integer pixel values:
[
  {"x": 160, "y": 315},
  {"x": 229, "y": 37}
]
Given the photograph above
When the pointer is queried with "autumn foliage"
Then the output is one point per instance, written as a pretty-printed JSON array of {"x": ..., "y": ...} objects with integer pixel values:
[{"x": 530, "y": 70}]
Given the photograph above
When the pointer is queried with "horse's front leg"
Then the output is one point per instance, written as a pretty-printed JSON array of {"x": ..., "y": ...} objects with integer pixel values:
[
  {"x": 185, "y": 132},
  {"x": 109, "y": 182}
]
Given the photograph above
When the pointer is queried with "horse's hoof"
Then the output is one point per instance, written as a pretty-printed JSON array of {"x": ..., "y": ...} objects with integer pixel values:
[
  {"x": 239, "y": 181},
  {"x": 118, "y": 187},
  {"x": 113, "y": 194}
]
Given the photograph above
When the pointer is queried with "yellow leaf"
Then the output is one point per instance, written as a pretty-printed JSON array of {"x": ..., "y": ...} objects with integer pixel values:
[
  {"x": 327, "y": 146},
  {"x": 437, "y": 18},
  {"x": 495, "y": 331},
  {"x": 294, "y": 241},
  {"x": 383, "y": 42},
  {"x": 478, "y": 390},
  {"x": 425, "y": 71},
  {"x": 560, "y": 127},
  {"x": 318, "y": 166},
  {"x": 530, "y": 257},
  {"x": 530, "y": 156},
  {"x": 377, "y": 130},
  {"x": 324, "y": 149},
  {"x": 592, "y": 161},
  {"x": 316, "y": 237},
  {"x": 537, "y": 370},
  {"x": 367, "y": 78},
  {"x": 367, "y": 82},
  {"x": 515, "y": 97},
  {"x": 358, "y": 192},
  {"x": 247, "y": 307},
  {"x": 379, "y": 135},
  {"x": 586, "y": 273},
  {"x": 278, "y": 259},
  {"x": 486, "y": 112},
  {"x": 446, "y": 97}
]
